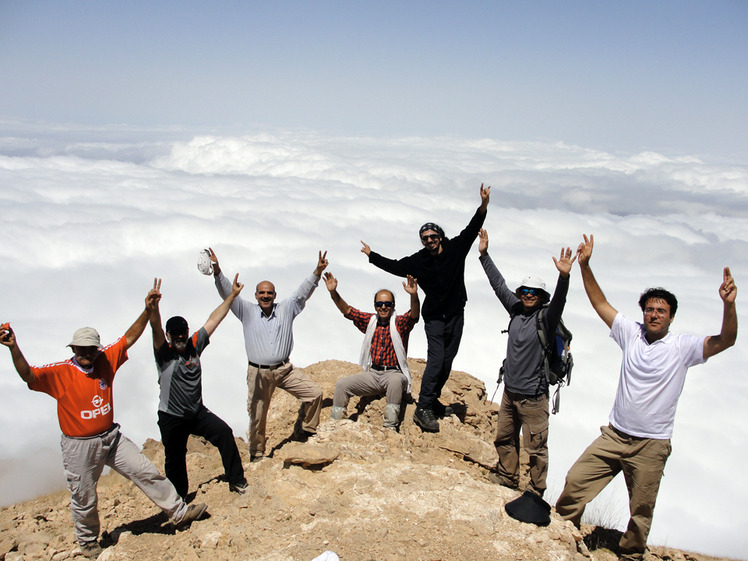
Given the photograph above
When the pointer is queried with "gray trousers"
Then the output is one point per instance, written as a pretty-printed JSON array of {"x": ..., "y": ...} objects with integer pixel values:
[
  {"x": 391, "y": 383},
  {"x": 84, "y": 460}
]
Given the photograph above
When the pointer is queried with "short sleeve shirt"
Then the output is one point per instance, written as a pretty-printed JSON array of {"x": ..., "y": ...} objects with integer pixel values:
[
  {"x": 84, "y": 400},
  {"x": 651, "y": 378},
  {"x": 180, "y": 376}
]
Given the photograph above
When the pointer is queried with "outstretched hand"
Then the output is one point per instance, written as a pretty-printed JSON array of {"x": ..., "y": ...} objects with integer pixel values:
[
  {"x": 214, "y": 260},
  {"x": 483, "y": 241},
  {"x": 584, "y": 251},
  {"x": 331, "y": 282},
  {"x": 564, "y": 262},
  {"x": 366, "y": 249},
  {"x": 322, "y": 263},
  {"x": 411, "y": 286},
  {"x": 7, "y": 337},
  {"x": 485, "y": 196},
  {"x": 154, "y": 295},
  {"x": 727, "y": 290},
  {"x": 237, "y": 287}
]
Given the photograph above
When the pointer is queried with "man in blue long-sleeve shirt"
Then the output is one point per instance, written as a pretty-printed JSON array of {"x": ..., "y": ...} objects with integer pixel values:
[
  {"x": 268, "y": 339},
  {"x": 440, "y": 270}
]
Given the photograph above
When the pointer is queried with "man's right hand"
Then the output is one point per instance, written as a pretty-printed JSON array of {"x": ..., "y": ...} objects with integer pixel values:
[
  {"x": 7, "y": 337},
  {"x": 214, "y": 260},
  {"x": 331, "y": 282},
  {"x": 483, "y": 241}
]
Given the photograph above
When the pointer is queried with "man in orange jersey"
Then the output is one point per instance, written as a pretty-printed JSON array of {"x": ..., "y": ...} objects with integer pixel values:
[{"x": 82, "y": 386}]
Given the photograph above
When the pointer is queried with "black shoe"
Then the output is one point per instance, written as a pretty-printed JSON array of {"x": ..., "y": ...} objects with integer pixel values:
[
  {"x": 425, "y": 419},
  {"x": 441, "y": 410},
  {"x": 239, "y": 487}
]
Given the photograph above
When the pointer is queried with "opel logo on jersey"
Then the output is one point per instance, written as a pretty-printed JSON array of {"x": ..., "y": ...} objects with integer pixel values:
[{"x": 100, "y": 408}]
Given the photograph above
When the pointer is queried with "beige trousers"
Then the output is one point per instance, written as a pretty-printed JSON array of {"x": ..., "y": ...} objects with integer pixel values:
[
  {"x": 642, "y": 461},
  {"x": 262, "y": 383}
]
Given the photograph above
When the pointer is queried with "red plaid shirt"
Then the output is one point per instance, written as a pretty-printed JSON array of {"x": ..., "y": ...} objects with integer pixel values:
[{"x": 382, "y": 350}]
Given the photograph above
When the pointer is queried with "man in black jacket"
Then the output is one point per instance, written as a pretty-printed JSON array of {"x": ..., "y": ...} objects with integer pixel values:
[{"x": 440, "y": 270}]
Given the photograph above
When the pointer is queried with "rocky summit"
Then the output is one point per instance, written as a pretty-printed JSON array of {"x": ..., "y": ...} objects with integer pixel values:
[{"x": 355, "y": 488}]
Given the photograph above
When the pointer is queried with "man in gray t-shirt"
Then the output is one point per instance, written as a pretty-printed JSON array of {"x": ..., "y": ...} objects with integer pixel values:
[{"x": 181, "y": 411}]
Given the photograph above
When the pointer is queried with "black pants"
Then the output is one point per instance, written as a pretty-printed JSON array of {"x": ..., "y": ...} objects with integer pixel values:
[
  {"x": 174, "y": 434},
  {"x": 443, "y": 337}
]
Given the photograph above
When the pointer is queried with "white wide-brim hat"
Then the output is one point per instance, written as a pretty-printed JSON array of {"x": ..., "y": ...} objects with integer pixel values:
[{"x": 533, "y": 282}]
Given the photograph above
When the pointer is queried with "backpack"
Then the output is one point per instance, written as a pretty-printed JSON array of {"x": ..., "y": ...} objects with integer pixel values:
[{"x": 557, "y": 358}]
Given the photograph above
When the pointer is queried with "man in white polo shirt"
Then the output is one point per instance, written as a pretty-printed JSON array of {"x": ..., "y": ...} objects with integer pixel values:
[{"x": 653, "y": 372}]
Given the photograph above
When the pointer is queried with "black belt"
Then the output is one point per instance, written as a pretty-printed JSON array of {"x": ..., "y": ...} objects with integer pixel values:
[
  {"x": 269, "y": 366},
  {"x": 381, "y": 368}
]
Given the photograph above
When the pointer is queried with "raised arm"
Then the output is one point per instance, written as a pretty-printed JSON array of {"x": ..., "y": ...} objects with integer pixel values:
[
  {"x": 595, "y": 294},
  {"x": 159, "y": 337},
  {"x": 8, "y": 338},
  {"x": 223, "y": 309},
  {"x": 214, "y": 260},
  {"x": 411, "y": 287},
  {"x": 332, "y": 285},
  {"x": 137, "y": 328},
  {"x": 485, "y": 196},
  {"x": 717, "y": 343}
]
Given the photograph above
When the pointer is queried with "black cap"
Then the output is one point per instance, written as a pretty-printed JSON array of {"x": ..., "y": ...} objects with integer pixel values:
[{"x": 177, "y": 324}]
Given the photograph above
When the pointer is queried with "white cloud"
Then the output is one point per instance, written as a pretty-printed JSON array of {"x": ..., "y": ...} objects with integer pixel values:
[{"x": 90, "y": 218}]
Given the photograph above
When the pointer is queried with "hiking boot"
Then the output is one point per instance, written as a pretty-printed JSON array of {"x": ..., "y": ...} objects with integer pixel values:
[
  {"x": 441, "y": 410},
  {"x": 240, "y": 487},
  {"x": 494, "y": 477},
  {"x": 91, "y": 550},
  {"x": 425, "y": 419},
  {"x": 194, "y": 512}
]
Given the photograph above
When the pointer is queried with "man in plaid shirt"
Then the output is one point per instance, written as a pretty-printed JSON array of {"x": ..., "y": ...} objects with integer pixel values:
[{"x": 383, "y": 353}]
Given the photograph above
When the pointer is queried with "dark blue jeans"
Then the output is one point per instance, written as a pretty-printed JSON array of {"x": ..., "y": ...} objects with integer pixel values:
[
  {"x": 443, "y": 338},
  {"x": 174, "y": 434}
]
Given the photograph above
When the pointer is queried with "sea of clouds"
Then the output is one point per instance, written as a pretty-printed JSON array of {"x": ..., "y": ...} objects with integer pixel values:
[{"x": 91, "y": 216}]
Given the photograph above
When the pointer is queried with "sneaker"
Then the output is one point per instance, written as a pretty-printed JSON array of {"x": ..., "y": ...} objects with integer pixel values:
[
  {"x": 425, "y": 419},
  {"x": 239, "y": 487},
  {"x": 441, "y": 410},
  {"x": 92, "y": 550},
  {"x": 194, "y": 512}
]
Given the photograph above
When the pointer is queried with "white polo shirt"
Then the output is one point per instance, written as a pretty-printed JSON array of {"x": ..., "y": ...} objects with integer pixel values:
[{"x": 651, "y": 378}]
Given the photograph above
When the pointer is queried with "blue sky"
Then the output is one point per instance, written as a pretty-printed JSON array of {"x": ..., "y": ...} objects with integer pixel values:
[{"x": 664, "y": 76}]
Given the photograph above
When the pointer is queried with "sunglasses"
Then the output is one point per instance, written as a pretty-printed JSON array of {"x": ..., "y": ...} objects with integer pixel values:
[
  {"x": 430, "y": 237},
  {"x": 529, "y": 292},
  {"x": 383, "y": 304}
]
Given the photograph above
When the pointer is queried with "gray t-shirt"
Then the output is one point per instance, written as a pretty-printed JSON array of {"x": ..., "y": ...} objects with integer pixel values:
[{"x": 180, "y": 376}]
